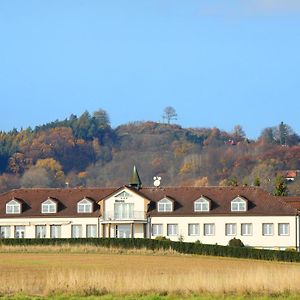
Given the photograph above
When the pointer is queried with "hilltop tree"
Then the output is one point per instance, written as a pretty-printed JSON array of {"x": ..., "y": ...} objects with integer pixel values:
[
  {"x": 102, "y": 118},
  {"x": 169, "y": 114},
  {"x": 238, "y": 132}
]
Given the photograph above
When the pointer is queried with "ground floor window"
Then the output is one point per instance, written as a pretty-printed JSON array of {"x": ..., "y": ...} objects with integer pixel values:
[
  {"x": 230, "y": 229},
  {"x": 55, "y": 231},
  {"x": 209, "y": 229},
  {"x": 157, "y": 229},
  {"x": 172, "y": 229},
  {"x": 267, "y": 228},
  {"x": 91, "y": 231},
  {"x": 246, "y": 229},
  {"x": 283, "y": 229},
  {"x": 193, "y": 229},
  {"x": 19, "y": 232},
  {"x": 5, "y": 232},
  {"x": 40, "y": 231},
  {"x": 76, "y": 231}
]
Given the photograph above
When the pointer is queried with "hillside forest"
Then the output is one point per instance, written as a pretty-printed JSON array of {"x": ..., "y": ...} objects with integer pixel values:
[{"x": 85, "y": 151}]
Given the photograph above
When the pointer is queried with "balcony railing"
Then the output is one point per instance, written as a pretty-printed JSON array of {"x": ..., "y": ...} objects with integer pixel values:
[{"x": 131, "y": 215}]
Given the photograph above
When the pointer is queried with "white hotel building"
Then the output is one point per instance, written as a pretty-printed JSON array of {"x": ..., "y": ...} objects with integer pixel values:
[{"x": 211, "y": 215}]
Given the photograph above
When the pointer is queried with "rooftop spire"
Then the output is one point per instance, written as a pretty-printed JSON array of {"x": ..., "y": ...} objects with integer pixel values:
[{"x": 135, "y": 180}]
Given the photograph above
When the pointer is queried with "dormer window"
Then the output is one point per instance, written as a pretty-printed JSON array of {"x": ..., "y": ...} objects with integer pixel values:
[
  {"x": 202, "y": 204},
  {"x": 13, "y": 207},
  {"x": 85, "y": 206},
  {"x": 239, "y": 204},
  {"x": 49, "y": 206},
  {"x": 165, "y": 205}
]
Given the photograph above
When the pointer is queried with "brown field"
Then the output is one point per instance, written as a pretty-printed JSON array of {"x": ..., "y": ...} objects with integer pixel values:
[{"x": 44, "y": 270}]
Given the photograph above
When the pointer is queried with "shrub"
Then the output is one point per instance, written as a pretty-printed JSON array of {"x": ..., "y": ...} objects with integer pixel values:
[
  {"x": 236, "y": 243},
  {"x": 164, "y": 243},
  {"x": 161, "y": 238}
]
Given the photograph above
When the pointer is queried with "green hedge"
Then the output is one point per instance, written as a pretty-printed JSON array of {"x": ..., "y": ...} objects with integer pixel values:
[{"x": 187, "y": 248}]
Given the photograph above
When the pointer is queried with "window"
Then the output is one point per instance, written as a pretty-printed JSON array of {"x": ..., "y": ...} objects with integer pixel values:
[
  {"x": 172, "y": 229},
  {"x": 165, "y": 205},
  {"x": 13, "y": 207},
  {"x": 209, "y": 229},
  {"x": 76, "y": 231},
  {"x": 230, "y": 229},
  {"x": 246, "y": 229},
  {"x": 202, "y": 204},
  {"x": 55, "y": 231},
  {"x": 283, "y": 229},
  {"x": 19, "y": 232},
  {"x": 49, "y": 207},
  {"x": 84, "y": 206},
  {"x": 40, "y": 231},
  {"x": 267, "y": 229},
  {"x": 91, "y": 231},
  {"x": 5, "y": 232},
  {"x": 239, "y": 204},
  {"x": 157, "y": 229},
  {"x": 194, "y": 229},
  {"x": 123, "y": 211}
]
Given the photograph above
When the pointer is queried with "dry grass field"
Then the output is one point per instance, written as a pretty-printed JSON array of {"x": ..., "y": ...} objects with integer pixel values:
[{"x": 86, "y": 270}]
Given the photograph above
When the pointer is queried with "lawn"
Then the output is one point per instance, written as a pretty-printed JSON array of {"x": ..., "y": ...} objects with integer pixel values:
[{"x": 104, "y": 273}]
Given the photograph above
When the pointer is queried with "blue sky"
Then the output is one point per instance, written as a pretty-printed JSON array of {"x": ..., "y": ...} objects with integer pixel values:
[{"x": 218, "y": 63}]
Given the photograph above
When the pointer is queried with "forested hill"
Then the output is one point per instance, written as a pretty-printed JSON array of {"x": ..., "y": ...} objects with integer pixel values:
[{"x": 87, "y": 151}]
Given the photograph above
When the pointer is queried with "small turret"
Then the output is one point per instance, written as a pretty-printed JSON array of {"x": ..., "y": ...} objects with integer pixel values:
[{"x": 135, "y": 180}]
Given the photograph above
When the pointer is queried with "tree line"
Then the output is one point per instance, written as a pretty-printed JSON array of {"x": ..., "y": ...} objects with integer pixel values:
[{"x": 86, "y": 151}]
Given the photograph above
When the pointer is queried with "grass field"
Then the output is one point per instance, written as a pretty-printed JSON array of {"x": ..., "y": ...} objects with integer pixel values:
[{"x": 93, "y": 271}]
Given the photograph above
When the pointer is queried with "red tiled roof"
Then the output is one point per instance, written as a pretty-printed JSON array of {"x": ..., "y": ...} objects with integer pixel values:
[
  {"x": 260, "y": 203},
  {"x": 67, "y": 201}
]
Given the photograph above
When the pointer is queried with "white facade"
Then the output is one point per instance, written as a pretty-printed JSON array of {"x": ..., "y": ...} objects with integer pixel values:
[{"x": 212, "y": 230}]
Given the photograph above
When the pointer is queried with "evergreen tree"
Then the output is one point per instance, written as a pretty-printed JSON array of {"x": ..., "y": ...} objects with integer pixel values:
[
  {"x": 256, "y": 181},
  {"x": 281, "y": 188}
]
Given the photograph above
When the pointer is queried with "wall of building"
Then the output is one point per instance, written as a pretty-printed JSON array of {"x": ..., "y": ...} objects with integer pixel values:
[
  {"x": 66, "y": 225},
  {"x": 256, "y": 239}
]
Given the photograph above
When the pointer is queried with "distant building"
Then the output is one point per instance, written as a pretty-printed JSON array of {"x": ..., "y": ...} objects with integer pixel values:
[
  {"x": 212, "y": 215},
  {"x": 289, "y": 175}
]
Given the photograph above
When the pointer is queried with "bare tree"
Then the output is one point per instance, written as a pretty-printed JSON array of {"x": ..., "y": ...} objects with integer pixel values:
[{"x": 169, "y": 114}]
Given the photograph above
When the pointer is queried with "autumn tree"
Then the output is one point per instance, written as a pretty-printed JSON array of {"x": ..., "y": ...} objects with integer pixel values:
[
  {"x": 36, "y": 177},
  {"x": 169, "y": 114}
]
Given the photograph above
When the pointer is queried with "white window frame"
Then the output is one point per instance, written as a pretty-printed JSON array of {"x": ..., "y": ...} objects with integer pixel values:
[
  {"x": 201, "y": 204},
  {"x": 76, "y": 231},
  {"x": 209, "y": 229},
  {"x": 157, "y": 229},
  {"x": 172, "y": 229},
  {"x": 91, "y": 233},
  {"x": 165, "y": 205},
  {"x": 193, "y": 229},
  {"x": 20, "y": 232},
  {"x": 239, "y": 204},
  {"x": 41, "y": 234},
  {"x": 5, "y": 232},
  {"x": 13, "y": 207},
  {"x": 268, "y": 229},
  {"x": 283, "y": 229},
  {"x": 85, "y": 206},
  {"x": 246, "y": 229},
  {"x": 230, "y": 229},
  {"x": 49, "y": 206},
  {"x": 55, "y": 231}
]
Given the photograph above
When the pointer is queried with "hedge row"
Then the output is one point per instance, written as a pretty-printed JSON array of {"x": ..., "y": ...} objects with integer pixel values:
[{"x": 181, "y": 247}]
